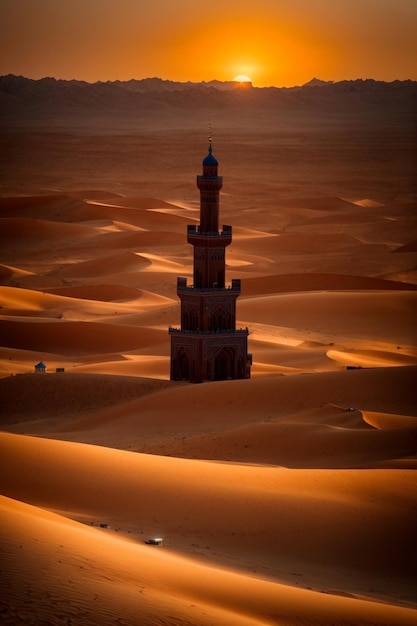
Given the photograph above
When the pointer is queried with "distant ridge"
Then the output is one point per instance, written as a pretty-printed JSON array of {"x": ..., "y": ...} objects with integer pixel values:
[
  {"x": 26, "y": 102},
  {"x": 316, "y": 82},
  {"x": 15, "y": 83}
]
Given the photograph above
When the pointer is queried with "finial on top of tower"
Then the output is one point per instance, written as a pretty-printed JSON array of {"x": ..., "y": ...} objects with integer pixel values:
[{"x": 210, "y": 160}]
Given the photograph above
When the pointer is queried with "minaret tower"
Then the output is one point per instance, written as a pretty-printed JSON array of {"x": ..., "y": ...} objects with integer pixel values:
[{"x": 208, "y": 346}]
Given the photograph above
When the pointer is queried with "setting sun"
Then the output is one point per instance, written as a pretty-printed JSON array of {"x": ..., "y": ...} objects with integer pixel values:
[{"x": 241, "y": 78}]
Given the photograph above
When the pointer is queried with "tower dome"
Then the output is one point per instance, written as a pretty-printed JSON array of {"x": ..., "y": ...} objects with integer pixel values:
[{"x": 210, "y": 160}]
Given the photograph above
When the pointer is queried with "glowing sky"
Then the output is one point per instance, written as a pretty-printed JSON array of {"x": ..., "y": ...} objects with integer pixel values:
[{"x": 274, "y": 42}]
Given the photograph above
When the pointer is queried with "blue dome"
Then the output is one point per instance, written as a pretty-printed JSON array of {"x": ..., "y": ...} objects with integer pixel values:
[{"x": 210, "y": 160}]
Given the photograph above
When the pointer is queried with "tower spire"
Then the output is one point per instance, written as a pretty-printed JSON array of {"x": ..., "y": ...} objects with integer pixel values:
[{"x": 210, "y": 135}]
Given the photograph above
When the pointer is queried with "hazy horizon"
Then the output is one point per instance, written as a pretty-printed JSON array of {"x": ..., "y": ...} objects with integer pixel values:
[{"x": 208, "y": 81}]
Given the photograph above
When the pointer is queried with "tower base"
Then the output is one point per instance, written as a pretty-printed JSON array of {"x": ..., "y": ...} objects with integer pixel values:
[{"x": 198, "y": 356}]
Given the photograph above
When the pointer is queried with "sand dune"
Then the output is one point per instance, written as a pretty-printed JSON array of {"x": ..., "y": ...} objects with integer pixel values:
[
  {"x": 92, "y": 337},
  {"x": 8, "y": 272},
  {"x": 372, "y": 358},
  {"x": 367, "y": 202},
  {"x": 165, "y": 422},
  {"x": 113, "y": 264},
  {"x": 110, "y": 582},
  {"x": 388, "y": 421},
  {"x": 384, "y": 318},
  {"x": 304, "y": 444},
  {"x": 104, "y": 293},
  {"x": 409, "y": 247},
  {"x": 21, "y": 302},
  {"x": 134, "y": 202},
  {"x": 33, "y": 231},
  {"x": 263, "y": 285},
  {"x": 288, "y": 498},
  {"x": 55, "y": 207},
  {"x": 49, "y": 400},
  {"x": 144, "y": 239},
  {"x": 299, "y": 358},
  {"x": 131, "y": 365},
  {"x": 230, "y": 504},
  {"x": 137, "y": 212},
  {"x": 18, "y": 302},
  {"x": 161, "y": 264},
  {"x": 107, "y": 586}
]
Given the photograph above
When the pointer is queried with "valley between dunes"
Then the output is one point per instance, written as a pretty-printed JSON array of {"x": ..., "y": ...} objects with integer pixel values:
[{"x": 289, "y": 498}]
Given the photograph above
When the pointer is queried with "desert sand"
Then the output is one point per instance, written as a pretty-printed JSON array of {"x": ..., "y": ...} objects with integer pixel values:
[{"x": 289, "y": 498}]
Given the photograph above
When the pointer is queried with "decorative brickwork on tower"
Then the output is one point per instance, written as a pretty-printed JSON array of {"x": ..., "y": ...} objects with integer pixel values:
[{"x": 208, "y": 346}]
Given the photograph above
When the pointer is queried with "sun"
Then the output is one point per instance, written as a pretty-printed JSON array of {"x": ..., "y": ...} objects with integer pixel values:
[{"x": 241, "y": 78}]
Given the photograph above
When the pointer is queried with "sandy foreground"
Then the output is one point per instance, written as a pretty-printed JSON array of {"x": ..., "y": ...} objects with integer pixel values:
[{"x": 289, "y": 498}]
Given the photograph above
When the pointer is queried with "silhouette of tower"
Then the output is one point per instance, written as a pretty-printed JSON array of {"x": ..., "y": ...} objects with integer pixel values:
[{"x": 208, "y": 346}]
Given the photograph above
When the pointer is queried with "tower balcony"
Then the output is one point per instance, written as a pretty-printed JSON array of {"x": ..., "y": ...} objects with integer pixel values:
[
  {"x": 208, "y": 333},
  {"x": 220, "y": 238},
  {"x": 182, "y": 287}
]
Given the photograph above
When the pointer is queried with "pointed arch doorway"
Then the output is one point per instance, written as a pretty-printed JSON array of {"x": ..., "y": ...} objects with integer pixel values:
[
  {"x": 225, "y": 364},
  {"x": 183, "y": 365}
]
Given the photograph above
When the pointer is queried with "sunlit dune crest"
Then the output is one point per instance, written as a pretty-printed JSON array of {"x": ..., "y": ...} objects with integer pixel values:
[
  {"x": 238, "y": 262},
  {"x": 7, "y": 272},
  {"x": 367, "y": 202},
  {"x": 373, "y": 358},
  {"x": 389, "y": 421},
  {"x": 161, "y": 264},
  {"x": 107, "y": 226},
  {"x": 130, "y": 365}
]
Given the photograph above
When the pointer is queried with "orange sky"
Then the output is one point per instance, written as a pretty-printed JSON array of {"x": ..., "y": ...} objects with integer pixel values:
[{"x": 274, "y": 42}]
